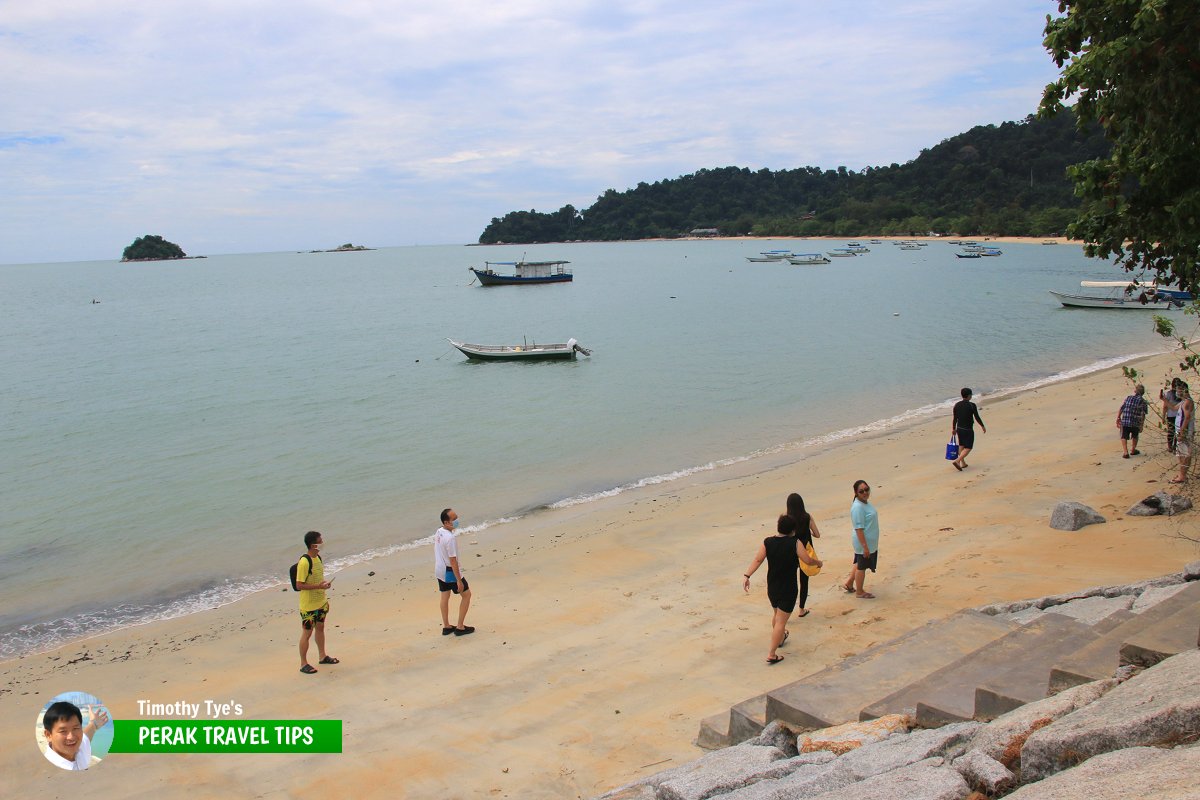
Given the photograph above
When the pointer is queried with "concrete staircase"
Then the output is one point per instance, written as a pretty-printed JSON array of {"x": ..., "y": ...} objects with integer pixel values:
[{"x": 969, "y": 665}]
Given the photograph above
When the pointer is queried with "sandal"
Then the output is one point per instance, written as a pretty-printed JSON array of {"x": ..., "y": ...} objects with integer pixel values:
[
  {"x": 329, "y": 660},
  {"x": 775, "y": 660},
  {"x": 865, "y": 596},
  {"x": 309, "y": 669}
]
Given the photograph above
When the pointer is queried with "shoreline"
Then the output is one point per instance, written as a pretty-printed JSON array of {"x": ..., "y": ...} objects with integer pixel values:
[
  {"x": 607, "y": 631},
  {"x": 771, "y": 457}
]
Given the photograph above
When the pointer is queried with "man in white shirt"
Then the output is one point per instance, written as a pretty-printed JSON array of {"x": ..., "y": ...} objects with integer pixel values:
[
  {"x": 68, "y": 742},
  {"x": 448, "y": 571}
]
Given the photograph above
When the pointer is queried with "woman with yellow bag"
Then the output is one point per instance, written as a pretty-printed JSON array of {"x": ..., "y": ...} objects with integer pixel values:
[
  {"x": 783, "y": 554},
  {"x": 806, "y": 531}
]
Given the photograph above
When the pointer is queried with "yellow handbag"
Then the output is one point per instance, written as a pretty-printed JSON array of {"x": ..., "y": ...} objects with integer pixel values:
[{"x": 810, "y": 569}]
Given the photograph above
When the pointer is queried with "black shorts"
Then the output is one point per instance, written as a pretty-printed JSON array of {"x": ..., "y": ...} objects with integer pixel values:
[
  {"x": 1129, "y": 433},
  {"x": 864, "y": 563},
  {"x": 966, "y": 437},
  {"x": 452, "y": 587}
]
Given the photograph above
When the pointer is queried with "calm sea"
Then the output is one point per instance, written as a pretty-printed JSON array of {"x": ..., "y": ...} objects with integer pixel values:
[{"x": 164, "y": 450}]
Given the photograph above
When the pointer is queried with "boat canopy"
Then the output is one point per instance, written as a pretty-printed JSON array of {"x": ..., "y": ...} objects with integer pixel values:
[{"x": 1116, "y": 284}]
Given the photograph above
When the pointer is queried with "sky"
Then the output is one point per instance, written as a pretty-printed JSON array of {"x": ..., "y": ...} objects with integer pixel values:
[{"x": 237, "y": 126}]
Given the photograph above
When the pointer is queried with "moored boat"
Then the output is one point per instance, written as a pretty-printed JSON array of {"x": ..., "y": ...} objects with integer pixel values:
[
  {"x": 802, "y": 259},
  {"x": 1125, "y": 295},
  {"x": 520, "y": 352},
  {"x": 524, "y": 272}
]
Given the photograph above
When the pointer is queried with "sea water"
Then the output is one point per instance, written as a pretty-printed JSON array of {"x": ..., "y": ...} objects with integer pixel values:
[{"x": 163, "y": 450}]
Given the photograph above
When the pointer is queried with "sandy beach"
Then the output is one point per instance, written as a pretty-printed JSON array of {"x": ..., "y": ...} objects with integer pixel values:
[{"x": 607, "y": 631}]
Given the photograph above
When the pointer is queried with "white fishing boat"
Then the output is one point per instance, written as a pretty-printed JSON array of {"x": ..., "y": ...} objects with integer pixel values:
[
  {"x": 769, "y": 255},
  {"x": 1124, "y": 295},
  {"x": 521, "y": 352},
  {"x": 841, "y": 253},
  {"x": 805, "y": 259}
]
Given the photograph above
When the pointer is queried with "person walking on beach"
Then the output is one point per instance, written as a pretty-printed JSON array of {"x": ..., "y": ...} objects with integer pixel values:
[
  {"x": 962, "y": 424},
  {"x": 1170, "y": 400},
  {"x": 806, "y": 530},
  {"x": 449, "y": 575},
  {"x": 783, "y": 553},
  {"x": 1185, "y": 433},
  {"x": 314, "y": 607},
  {"x": 1130, "y": 418},
  {"x": 865, "y": 540}
]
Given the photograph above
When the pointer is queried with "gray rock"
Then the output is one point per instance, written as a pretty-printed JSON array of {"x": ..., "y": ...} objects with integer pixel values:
[
  {"x": 984, "y": 773},
  {"x": 1001, "y": 739},
  {"x": 1026, "y": 615},
  {"x": 1071, "y": 516},
  {"x": 1154, "y": 708},
  {"x": 1091, "y": 610},
  {"x": 1192, "y": 571},
  {"x": 723, "y": 771},
  {"x": 1138, "y": 772},
  {"x": 927, "y": 780},
  {"x": 1155, "y": 595},
  {"x": 1172, "y": 504},
  {"x": 902, "y": 750},
  {"x": 1142, "y": 509},
  {"x": 776, "y": 734},
  {"x": 808, "y": 780}
]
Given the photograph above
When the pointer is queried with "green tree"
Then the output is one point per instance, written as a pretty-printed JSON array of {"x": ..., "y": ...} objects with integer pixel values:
[
  {"x": 1134, "y": 68},
  {"x": 152, "y": 247}
]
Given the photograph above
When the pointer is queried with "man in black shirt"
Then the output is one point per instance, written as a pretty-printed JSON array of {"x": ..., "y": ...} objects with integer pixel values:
[{"x": 962, "y": 425}]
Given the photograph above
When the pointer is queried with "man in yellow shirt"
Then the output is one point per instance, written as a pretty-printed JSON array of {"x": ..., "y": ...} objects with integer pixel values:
[{"x": 310, "y": 580}]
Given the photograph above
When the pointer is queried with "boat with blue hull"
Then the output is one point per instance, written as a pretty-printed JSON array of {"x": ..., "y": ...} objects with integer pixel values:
[{"x": 524, "y": 272}]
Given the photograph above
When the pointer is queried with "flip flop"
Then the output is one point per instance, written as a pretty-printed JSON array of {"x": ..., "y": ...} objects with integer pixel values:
[
  {"x": 802, "y": 613},
  {"x": 865, "y": 596},
  {"x": 309, "y": 669},
  {"x": 956, "y": 466},
  {"x": 847, "y": 589},
  {"x": 329, "y": 660},
  {"x": 775, "y": 660}
]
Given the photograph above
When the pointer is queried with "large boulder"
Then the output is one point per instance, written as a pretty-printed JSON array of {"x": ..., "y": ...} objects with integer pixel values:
[
  {"x": 1155, "y": 708},
  {"x": 843, "y": 738},
  {"x": 1132, "y": 774},
  {"x": 1071, "y": 516}
]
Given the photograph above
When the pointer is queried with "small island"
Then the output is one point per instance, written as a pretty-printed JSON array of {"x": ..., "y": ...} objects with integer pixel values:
[
  {"x": 346, "y": 248},
  {"x": 152, "y": 248}
]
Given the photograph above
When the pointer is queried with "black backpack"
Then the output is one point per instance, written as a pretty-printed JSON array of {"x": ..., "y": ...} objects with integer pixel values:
[{"x": 292, "y": 571}]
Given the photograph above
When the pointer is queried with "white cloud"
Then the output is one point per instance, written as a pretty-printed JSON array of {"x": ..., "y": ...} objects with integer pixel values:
[{"x": 272, "y": 125}]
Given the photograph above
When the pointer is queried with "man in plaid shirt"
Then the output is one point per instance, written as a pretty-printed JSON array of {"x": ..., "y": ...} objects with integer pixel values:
[{"x": 1130, "y": 419}]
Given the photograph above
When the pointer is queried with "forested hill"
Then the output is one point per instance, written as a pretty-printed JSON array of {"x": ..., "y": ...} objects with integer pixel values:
[{"x": 992, "y": 180}]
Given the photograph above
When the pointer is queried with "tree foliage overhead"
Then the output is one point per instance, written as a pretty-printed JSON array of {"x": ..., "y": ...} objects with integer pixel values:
[
  {"x": 991, "y": 180},
  {"x": 1135, "y": 69},
  {"x": 152, "y": 247}
]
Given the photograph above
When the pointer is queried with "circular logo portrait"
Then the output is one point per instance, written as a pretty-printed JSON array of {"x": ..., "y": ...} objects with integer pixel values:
[{"x": 74, "y": 731}]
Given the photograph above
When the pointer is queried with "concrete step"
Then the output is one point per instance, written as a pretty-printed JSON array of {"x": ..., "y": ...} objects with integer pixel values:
[
  {"x": 714, "y": 732},
  {"x": 1025, "y": 679},
  {"x": 1100, "y": 659},
  {"x": 1171, "y": 636},
  {"x": 839, "y": 693},
  {"x": 748, "y": 718},
  {"x": 948, "y": 694}
]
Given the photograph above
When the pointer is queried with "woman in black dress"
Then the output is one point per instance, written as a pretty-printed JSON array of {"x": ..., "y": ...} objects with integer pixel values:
[
  {"x": 806, "y": 531},
  {"x": 783, "y": 553}
]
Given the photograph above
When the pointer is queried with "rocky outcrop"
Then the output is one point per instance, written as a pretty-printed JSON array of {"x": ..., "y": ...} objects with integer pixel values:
[
  {"x": 1071, "y": 516},
  {"x": 1159, "y": 708}
]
